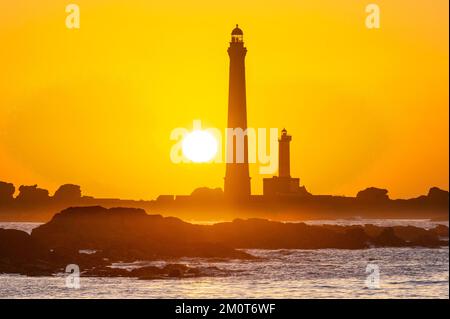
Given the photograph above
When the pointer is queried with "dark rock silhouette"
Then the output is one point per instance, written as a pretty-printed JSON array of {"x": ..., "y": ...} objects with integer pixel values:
[
  {"x": 20, "y": 254},
  {"x": 34, "y": 204},
  {"x": 33, "y": 195},
  {"x": 373, "y": 194},
  {"x": 207, "y": 192},
  {"x": 124, "y": 233},
  {"x": 129, "y": 234},
  {"x": 6, "y": 193},
  {"x": 68, "y": 193},
  {"x": 16, "y": 244},
  {"x": 369, "y": 203},
  {"x": 389, "y": 238},
  {"x": 440, "y": 230},
  {"x": 153, "y": 272},
  {"x": 153, "y": 235},
  {"x": 438, "y": 195}
]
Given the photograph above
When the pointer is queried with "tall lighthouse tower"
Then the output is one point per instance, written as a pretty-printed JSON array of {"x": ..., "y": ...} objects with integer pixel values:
[{"x": 237, "y": 178}]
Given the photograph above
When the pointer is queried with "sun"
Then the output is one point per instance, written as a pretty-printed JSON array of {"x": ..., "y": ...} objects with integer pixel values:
[{"x": 199, "y": 146}]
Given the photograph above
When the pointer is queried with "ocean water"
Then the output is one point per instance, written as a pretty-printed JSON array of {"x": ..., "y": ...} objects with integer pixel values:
[{"x": 322, "y": 273}]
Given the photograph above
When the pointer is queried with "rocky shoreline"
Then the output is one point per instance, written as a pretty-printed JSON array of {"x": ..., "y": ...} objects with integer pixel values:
[{"x": 94, "y": 238}]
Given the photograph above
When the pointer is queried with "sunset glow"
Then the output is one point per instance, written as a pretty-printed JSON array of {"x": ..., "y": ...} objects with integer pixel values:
[
  {"x": 199, "y": 146},
  {"x": 95, "y": 106},
  {"x": 224, "y": 158}
]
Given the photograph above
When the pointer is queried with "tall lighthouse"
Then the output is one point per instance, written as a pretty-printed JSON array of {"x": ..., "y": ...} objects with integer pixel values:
[{"x": 237, "y": 177}]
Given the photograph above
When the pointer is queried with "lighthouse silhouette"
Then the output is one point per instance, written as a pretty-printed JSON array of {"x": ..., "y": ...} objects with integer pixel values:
[{"x": 237, "y": 177}]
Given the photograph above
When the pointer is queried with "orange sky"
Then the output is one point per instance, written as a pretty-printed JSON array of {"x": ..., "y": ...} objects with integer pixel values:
[{"x": 96, "y": 106}]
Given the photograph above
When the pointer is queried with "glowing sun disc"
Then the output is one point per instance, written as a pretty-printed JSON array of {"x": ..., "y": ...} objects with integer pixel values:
[{"x": 199, "y": 146}]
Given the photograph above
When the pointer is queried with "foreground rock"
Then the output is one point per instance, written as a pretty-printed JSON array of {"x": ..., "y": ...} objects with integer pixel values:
[
  {"x": 263, "y": 234},
  {"x": 129, "y": 234},
  {"x": 154, "y": 272},
  {"x": 96, "y": 237}
]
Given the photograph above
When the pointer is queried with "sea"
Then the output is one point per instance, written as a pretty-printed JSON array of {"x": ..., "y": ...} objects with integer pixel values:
[{"x": 284, "y": 273}]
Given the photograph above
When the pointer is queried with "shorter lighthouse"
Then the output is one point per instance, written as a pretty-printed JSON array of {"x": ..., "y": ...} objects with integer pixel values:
[
  {"x": 284, "y": 165},
  {"x": 283, "y": 184}
]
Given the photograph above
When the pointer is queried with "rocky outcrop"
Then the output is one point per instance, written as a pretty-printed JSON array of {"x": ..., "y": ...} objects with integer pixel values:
[
  {"x": 35, "y": 204},
  {"x": 438, "y": 195},
  {"x": 6, "y": 193},
  {"x": 154, "y": 272},
  {"x": 440, "y": 230},
  {"x": 373, "y": 194},
  {"x": 68, "y": 193},
  {"x": 128, "y": 233},
  {"x": 22, "y": 255},
  {"x": 264, "y": 234},
  {"x": 95, "y": 237},
  {"x": 33, "y": 195}
]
